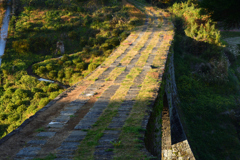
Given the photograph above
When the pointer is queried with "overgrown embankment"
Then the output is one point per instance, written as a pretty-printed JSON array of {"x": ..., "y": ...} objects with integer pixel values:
[
  {"x": 93, "y": 29},
  {"x": 207, "y": 84}
]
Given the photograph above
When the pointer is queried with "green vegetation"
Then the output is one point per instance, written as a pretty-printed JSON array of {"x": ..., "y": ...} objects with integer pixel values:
[
  {"x": 224, "y": 11},
  {"x": 89, "y": 30},
  {"x": 208, "y": 84},
  {"x": 100, "y": 32}
]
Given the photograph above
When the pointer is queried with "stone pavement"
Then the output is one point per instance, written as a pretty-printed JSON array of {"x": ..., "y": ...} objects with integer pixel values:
[{"x": 139, "y": 50}]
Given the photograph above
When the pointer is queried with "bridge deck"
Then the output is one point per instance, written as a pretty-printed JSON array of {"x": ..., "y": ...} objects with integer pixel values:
[{"x": 108, "y": 111}]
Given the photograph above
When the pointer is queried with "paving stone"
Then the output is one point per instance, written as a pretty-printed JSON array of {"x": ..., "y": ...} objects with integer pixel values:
[
  {"x": 74, "y": 138},
  {"x": 105, "y": 157},
  {"x": 62, "y": 119},
  {"x": 103, "y": 153},
  {"x": 68, "y": 146},
  {"x": 107, "y": 138},
  {"x": 104, "y": 145},
  {"x": 88, "y": 120},
  {"x": 97, "y": 109},
  {"x": 74, "y": 107},
  {"x": 118, "y": 119},
  {"x": 66, "y": 152},
  {"x": 46, "y": 134},
  {"x": 92, "y": 114},
  {"x": 116, "y": 125},
  {"x": 24, "y": 158},
  {"x": 78, "y": 133},
  {"x": 64, "y": 156},
  {"x": 68, "y": 113},
  {"x": 37, "y": 142},
  {"x": 78, "y": 101},
  {"x": 82, "y": 126},
  {"x": 28, "y": 152},
  {"x": 55, "y": 125},
  {"x": 112, "y": 132},
  {"x": 125, "y": 108}
]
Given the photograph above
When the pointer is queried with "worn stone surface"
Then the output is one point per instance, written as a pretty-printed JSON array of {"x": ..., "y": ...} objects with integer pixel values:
[
  {"x": 37, "y": 142},
  {"x": 46, "y": 134},
  {"x": 28, "y": 152}
]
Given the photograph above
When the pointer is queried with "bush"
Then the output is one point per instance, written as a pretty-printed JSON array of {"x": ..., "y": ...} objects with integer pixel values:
[
  {"x": 43, "y": 102},
  {"x": 81, "y": 66},
  {"x": 49, "y": 67},
  {"x": 76, "y": 61},
  {"x": 39, "y": 95},
  {"x": 68, "y": 73},
  {"x": 65, "y": 57},
  {"x": 73, "y": 35},
  {"x": 3, "y": 116},
  {"x": 21, "y": 46},
  {"x": 123, "y": 36},
  {"x": 61, "y": 74},
  {"x": 53, "y": 95},
  {"x": 42, "y": 69},
  {"x": 53, "y": 74},
  {"x": 60, "y": 62},
  {"x": 92, "y": 67},
  {"x": 67, "y": 63}
]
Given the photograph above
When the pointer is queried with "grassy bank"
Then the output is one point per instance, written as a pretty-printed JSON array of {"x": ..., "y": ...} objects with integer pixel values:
[
  {"x": 89, "y": 29},
  {"x": 208, "y": 84}
]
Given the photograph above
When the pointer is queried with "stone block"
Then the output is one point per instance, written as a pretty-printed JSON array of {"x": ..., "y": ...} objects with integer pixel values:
[
  {"x": 68, "y": 112},
  {"x": 46, "y": 134},
  {"x": 37, "y": 142},
  {"x": 28, "y": 152}
]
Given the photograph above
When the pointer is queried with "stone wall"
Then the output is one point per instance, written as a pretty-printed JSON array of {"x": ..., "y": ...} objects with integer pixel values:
[
  {"x": 165, "y": 137},
  {"x": 180, "y": 148}
]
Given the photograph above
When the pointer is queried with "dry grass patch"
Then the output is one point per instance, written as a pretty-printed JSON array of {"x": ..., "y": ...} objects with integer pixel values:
[
  {"x": 132, "y": 128},
  {"x": 115, "y": 73}
]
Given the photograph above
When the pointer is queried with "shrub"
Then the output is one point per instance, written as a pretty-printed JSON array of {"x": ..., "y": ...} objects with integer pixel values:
[
  {"x": 49, "y": 67},
  {"x": 92, "y": 67},
  {"x": 76, "y": 61},
  {"x": 53, "y": 86},
  {"x": 68, "y": 73},
  {"x": 21, "y": 46},
  {"x": 116, "y": 32},
  {"x": 53, "y": 74},
  {"x": 21, "y": 109},
  {"x": 65, "y": 57},
  {"x": 105, "y": 46},
  {"x": 73, "y": 35},
  {"x": 87, "y": 20},
  {"x": 35, "y": 66},
  {"x": 60, "y": 62},
  {"x": 81, "y": 66},
  {"x": 114, "y": 41},
  {"x": 123, "y": 36},
  {"x": 53, "y": 95},
  {"x": 83, "y": 41},
  {"x": 39, "y": 95},
  {"x": 43, "y": 102},
  {"x": 61, "y": 74},
  {"x": 3, "y": 116},
  {"x": 67, "y": 63},
  {"x": 28, "y": 82},
  {"x": 42, "y": 69},
  {"x": 20, "y": 94}
]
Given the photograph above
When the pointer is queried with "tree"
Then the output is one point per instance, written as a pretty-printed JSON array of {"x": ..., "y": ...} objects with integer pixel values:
[{"x": 224, "y": 11}]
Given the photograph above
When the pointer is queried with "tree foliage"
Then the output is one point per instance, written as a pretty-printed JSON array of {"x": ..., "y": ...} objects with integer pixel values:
[{"x": 224, "y": 11}]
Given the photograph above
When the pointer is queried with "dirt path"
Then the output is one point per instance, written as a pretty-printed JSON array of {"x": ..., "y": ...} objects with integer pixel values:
[{"x": 114, "y": 96}]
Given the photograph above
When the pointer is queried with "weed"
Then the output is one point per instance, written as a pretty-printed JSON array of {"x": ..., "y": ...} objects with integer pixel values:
[
  {"x": 40, "y": 129},
  {"x": 116, "y": 143}
]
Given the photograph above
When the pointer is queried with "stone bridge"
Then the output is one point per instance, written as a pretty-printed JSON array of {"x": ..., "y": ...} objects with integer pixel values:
[{"x": 106, "y": 115}]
